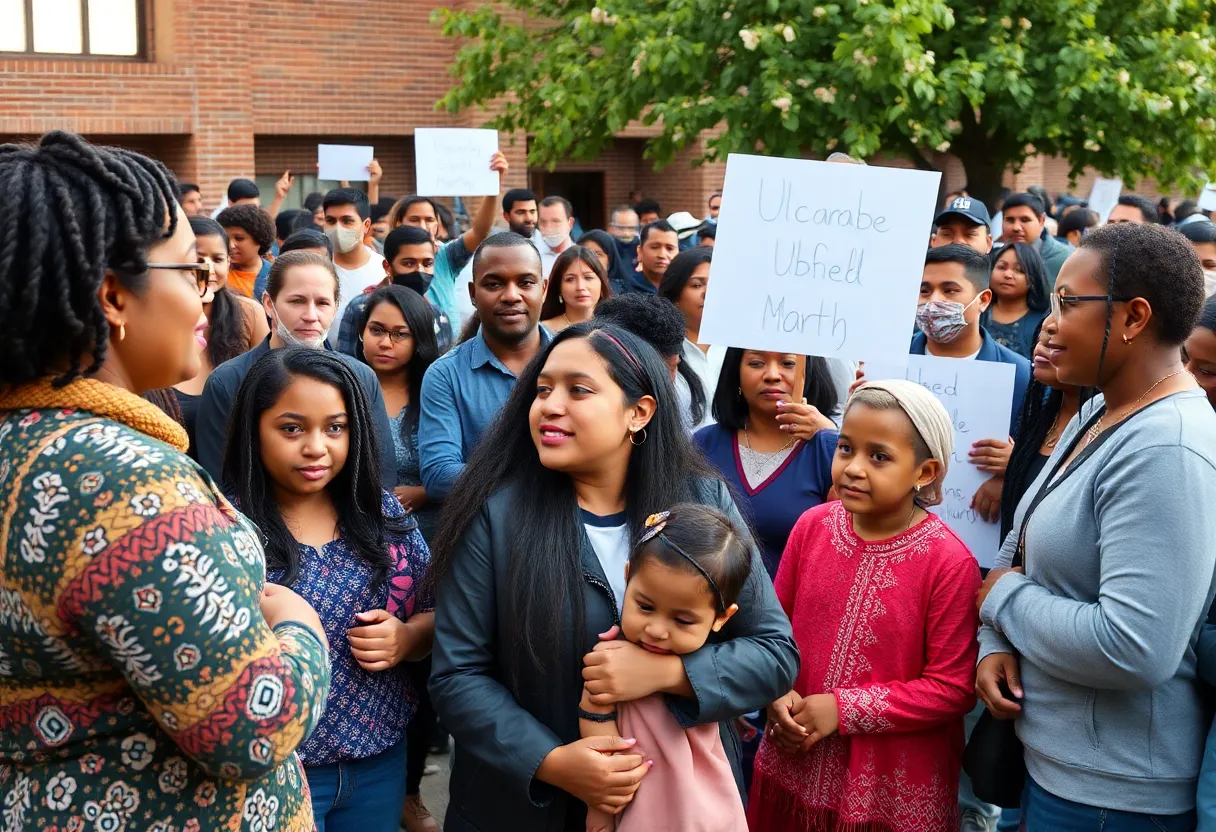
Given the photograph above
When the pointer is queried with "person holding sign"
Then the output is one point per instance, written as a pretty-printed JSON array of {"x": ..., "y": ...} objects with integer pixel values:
[
  {"x": 452, "y": 256},
  {"x": 877, "y": 589},
  {"x": 773, "y": 440},
  {"x": 954, "y": 293},
  {"x": 1096, "y": 631}
]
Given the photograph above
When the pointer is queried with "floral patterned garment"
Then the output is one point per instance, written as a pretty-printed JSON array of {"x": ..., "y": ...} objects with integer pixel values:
[
  {"x": 140, "y": 687},
  {"x": 367, "y": 713}
]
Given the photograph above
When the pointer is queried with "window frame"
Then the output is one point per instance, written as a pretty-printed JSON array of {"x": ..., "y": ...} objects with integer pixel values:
[{"x": 141, "y": 37}]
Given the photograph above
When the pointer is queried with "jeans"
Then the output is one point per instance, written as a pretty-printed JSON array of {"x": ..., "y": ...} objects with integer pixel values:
[
  {"x": 1042, "y": 811},
  {"x": 966, "y": 797},
  {"x": 359, "y": 795}
]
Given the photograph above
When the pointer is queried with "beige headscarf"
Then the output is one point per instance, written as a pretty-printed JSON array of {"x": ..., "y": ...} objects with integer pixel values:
[{"x": 929, "y": 418}]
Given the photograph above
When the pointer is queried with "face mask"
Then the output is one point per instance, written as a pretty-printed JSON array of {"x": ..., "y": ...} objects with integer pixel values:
[
  {"x": 1209, "y": 283},
  {"x": 418, "y": 281},
  {"x": 553, "y": 240},
  {"x": 344, "y": 239},
  {"x": 379, "y": 244},
  {"x": 290, "y": 340},
  {"x": 628, "y": 239},
  {"x": 942, "y": 321}
]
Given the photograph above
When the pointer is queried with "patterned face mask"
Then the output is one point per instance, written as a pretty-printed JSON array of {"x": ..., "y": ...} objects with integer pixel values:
[{"x": 942, "y": 321}]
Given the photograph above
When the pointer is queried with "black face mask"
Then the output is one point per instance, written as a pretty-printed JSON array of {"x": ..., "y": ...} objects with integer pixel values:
[{"x": 418, "y": 281}]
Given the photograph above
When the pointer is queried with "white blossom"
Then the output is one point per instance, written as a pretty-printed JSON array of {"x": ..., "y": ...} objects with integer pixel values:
[
  {"x": 943, "y": 147},
  {"x": 1024, "y": 23},
  {"x": 783, "y": 103},
  {"x": 788, "y": 34},
  {"x": 726, "y": 15},
  {"x": 1124, "y": 76},
  {"x": 1007, "y": 22},
  {"x": 750, "y": 39},
  {"x": 803, "y": 82},
  {"x": 819, "y": 11},
  {"x": 825, "y": 95}
]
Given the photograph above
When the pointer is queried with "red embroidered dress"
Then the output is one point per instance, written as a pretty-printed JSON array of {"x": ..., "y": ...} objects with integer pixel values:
[{"x": 889, "y": 627}]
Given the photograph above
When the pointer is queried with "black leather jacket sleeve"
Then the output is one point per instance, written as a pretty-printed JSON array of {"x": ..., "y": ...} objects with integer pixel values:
[{"x": 482, "y": 714}]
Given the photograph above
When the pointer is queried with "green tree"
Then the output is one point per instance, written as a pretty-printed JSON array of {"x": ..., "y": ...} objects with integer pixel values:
[{"x": 1124, "y": 86}]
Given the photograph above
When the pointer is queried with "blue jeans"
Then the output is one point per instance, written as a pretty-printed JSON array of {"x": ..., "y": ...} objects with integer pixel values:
[
  {"x": 1042, "y": 811},
  {"x": 359, "y": 795}
]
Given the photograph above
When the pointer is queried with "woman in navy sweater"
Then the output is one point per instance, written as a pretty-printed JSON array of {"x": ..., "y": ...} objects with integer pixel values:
[{"x": 774, "y": 439}]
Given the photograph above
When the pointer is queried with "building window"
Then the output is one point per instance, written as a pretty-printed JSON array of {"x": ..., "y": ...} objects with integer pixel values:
[{"x": 100, "y": 28}]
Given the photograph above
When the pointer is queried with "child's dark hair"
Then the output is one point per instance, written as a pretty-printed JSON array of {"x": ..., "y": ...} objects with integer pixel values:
[{"x": 702, "y": 541}]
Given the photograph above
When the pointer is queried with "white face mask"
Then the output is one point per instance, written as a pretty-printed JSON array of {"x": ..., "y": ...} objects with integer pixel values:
[
  {"x": 554, "y": 240},
  {"x": 345, "y": 239},
  {"x": 290, "y": 340},
  {"x": 1209, "y": 283}
]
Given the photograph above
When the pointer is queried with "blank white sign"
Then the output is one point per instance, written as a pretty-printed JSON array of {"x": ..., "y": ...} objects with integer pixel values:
[
  {"x": 344, "y": 162},
  {"x": 818, "y": 258},
  {"x": 455, "y": 161}
]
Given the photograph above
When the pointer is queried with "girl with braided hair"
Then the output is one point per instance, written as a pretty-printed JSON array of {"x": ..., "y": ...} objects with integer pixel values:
[{"x": 151, "y": 678}]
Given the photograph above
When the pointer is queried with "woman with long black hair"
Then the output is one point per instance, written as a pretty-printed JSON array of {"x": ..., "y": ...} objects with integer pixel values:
[
  {"x": 1091, "y": 646},
  {"x": 1021, "y": 289},
  {"x": 684, "y": 284},
  {"x": 397, "y": 340},
  {"x": 303, "y": 459},
  {"x": 530, "y": 562}
]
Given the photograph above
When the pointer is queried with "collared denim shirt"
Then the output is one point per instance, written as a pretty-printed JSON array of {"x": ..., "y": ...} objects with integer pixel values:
[{"x": 461, "y": 394}]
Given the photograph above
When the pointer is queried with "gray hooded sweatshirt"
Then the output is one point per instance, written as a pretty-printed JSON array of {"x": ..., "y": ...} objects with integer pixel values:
[{"x": 1119, "y": 576}]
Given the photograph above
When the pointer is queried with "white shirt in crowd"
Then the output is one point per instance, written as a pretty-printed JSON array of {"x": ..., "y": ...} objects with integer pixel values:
[
  {"x": 548, "y": 256},
  {"x": 609, "y": 538},
  {"x": 707, "y": 366},
  {"x": 352, "y": 283}
]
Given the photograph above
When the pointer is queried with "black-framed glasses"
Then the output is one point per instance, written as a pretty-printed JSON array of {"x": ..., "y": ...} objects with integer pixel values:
[
  {"x": 395, "y": 336},
  {"x": 202, "y": 272},
  {"x": 1058, "y": 301}
]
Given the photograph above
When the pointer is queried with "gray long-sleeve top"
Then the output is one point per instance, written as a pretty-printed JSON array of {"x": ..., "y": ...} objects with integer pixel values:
[{"x": 1119, "y": 565}]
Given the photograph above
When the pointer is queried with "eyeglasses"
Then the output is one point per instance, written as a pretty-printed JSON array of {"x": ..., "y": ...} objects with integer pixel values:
[
  {"x": 395, "y": 336},
  {"x": 1058, "y": 301},
  {"x": 627, "y": 227},
  {"x": 202, "y": 273}
]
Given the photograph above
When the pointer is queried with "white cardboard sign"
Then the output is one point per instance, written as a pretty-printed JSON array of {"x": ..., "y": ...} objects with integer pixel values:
[
  {"x": 978, "y": 396},
  {"x": 818, "y": 258},
  {"x": 1207, "y": 197},
  {"x": 455, "y": 161},
  {"x": 344, "y": 162},
  {"x": 1104, "y": 196}
]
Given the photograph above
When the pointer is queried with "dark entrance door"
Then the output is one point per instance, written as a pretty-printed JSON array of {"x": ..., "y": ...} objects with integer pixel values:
[{"x": 584, "y": 189}]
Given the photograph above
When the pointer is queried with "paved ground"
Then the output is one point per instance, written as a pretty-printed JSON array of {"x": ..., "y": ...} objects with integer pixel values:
[{"x": 435, "y": 787}]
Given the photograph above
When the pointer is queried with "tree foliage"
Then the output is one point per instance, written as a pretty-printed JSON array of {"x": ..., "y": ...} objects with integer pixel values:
[{"x": 1124, "y": 86}]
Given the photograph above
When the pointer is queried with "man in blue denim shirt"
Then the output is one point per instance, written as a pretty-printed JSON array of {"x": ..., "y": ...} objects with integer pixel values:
[{"x": 464, "y": 390}]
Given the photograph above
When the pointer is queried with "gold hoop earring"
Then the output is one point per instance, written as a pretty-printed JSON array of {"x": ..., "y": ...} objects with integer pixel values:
[
  {"x": 634, "y": 435},
  {"x": 122, "y": 331}
]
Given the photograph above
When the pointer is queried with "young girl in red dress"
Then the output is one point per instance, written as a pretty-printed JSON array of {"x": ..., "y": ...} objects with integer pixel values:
[{"x": 881, "y": 596}]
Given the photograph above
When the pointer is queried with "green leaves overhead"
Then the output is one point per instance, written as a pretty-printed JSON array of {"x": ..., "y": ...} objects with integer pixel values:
[{"x": 1124, "y": 86}]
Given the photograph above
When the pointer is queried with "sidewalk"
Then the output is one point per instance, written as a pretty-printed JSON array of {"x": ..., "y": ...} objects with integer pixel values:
[{"x": 435, "y": 787}]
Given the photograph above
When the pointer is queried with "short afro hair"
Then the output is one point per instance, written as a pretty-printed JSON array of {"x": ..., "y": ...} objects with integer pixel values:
[
  {"x": 1155, "y": 263},
  {"x": 253, "y": 221},
  {"x": 655, "y": 320}
]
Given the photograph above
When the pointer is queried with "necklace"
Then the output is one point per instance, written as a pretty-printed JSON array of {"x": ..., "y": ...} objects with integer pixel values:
[
  {"x": 1092, "y": 433},
  {"x": 568, "y": 321},
  {"x": 1050, "y": 441},
  {"x": 767, "y": 459}
]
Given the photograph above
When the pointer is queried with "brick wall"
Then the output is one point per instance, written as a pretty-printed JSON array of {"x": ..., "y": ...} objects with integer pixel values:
[{"x": 249, "y": 87}]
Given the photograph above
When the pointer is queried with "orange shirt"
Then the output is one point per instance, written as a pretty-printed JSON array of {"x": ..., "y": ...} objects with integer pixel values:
[{"x": 242, "y": 282}]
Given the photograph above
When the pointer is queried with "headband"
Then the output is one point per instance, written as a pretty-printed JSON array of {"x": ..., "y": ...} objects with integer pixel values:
[
  {"x": 655, "y": 524},
  {"x": 637, "y": 365}
]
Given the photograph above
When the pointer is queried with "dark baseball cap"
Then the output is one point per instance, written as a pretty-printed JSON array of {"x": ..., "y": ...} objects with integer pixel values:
[{"x": 969, "y": 207}]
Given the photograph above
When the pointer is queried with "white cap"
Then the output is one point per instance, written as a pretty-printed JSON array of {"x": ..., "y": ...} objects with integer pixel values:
[{"x": 684, "y": 223}]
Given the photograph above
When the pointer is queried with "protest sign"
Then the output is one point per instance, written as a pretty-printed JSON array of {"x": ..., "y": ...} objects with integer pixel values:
[
  {"x": 1207, "y": 197},
  {"x": 454, "y": 161},
  {"x": 1104, "y": 196},
  {"x": 344, "y": 162},
  {"x": 978, "y": 396},
  {"x": 818, "y": 258}
]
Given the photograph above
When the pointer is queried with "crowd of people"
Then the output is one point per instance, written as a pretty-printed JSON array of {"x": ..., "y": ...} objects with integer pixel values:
[{"x": 291, "y": 496}]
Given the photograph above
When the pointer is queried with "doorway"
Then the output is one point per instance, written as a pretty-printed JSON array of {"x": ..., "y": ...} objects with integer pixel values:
[{"x": 584, "y": 189}]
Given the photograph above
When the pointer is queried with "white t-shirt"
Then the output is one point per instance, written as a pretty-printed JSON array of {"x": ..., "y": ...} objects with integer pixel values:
[
  {"x": 609, "y": 538},
  {"x": 352, "y": 283}
]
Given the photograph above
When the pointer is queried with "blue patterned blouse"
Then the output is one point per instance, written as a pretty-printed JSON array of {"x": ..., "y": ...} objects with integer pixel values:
[{"x": 366, "y": 713}]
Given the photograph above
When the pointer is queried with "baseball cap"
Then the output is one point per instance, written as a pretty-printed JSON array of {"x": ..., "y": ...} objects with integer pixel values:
[
  {"x": 684, "y": 223},
  {"x": 969, "y": 207}
]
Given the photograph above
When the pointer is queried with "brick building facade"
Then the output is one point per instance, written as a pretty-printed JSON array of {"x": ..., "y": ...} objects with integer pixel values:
[{"x": 228, "y": 88}]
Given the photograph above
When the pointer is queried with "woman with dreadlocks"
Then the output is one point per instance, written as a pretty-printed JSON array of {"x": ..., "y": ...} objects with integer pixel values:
[
  {"x": 151, "y": 678},
  {"x": 1090, "y": 642}
]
